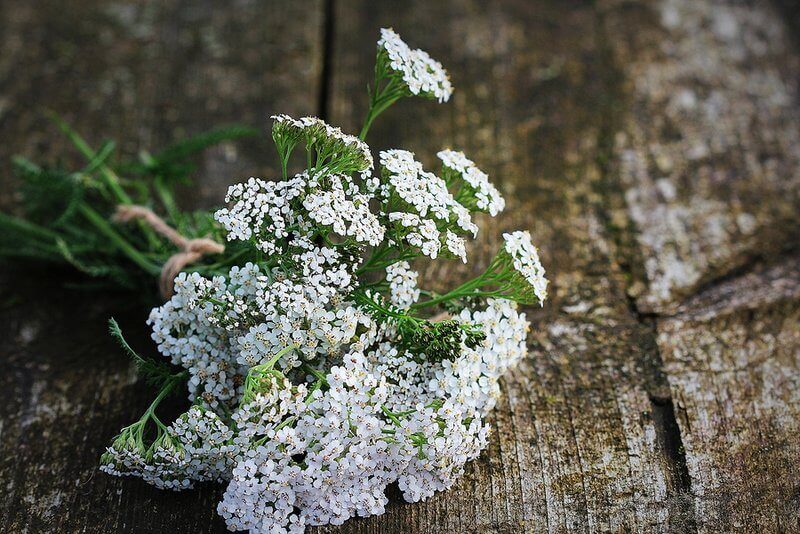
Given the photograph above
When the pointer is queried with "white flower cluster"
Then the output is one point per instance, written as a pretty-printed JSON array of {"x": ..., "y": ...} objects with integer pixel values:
[
  {"x": 187, "y": 332},
  {"x": 476, "y": 182},
  {"x": 197, "y": 447},
  {"x": 311, "y": 458},
  {"x": 336, "y": 146},
  {"x": 433, "y": 207},
  {"x": 525, "y": 259},
  {"x": 217, "y": 329},
  {"x": 421, "y": 73},
  {"x": 471, "y": 380},
  {"x": 270, "y": 213},
  {"x": 418, "y": 232},
  {"x": 403, "y": 290},
  {"x": 340, "y": 205},
  {"x": 316, "y": 371},
  {"x": 383, "y": 418},
  {"x": 262, "y": 211}
]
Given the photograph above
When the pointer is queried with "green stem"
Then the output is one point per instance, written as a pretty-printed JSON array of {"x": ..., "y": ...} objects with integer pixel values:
[
  {"x": 126, "y": 248},
  {"x": 27, "y": 226},
  {"x": 109, "y": 176},
  {"x": 166, "y": 389},
  {"x": 388, "y": 413},
  {"x": 462, "y": 290},
  {"x": 373, "y": 113},
  {"x": 272, "y": 361},
  {"x": 317, "y": 385},
  {"x": 284, "y": 165},
  {"x": 210, "y": 269},
  {"x": 42, "y": 253},
  {"x": 376, "y": 255},
  {"x": 167, "y": 199},
  {"x": 381, "y": 99},
  {"x": 367, "y": 123},
  {"x": 319, "y": 375}
]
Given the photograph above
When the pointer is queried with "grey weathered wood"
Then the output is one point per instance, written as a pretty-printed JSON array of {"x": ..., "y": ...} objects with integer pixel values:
[
  {"x": 710, "y": 152},
  {"x": 709, "y": 160},
  {"x": 661, "y": 391},
  {"x": 733, "y": 359}
]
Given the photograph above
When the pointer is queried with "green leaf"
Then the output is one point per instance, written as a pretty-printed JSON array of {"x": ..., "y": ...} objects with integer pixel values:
[
  {"x": 172, "y": 162},
  {"x": 49, "y": 195},
  {"x": 155, "y": 372},
  {"x": 100, "y": 157},
  {"x": 196, "y": 143}
]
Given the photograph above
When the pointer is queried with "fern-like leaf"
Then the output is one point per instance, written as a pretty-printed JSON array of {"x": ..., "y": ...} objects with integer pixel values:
[
  {"x": 154, "y": 372},
  {"x": 172, "y": 164}
]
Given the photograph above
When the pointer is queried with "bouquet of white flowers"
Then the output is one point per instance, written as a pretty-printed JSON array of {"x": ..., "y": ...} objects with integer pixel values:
[{"x": 317, "y": 371}]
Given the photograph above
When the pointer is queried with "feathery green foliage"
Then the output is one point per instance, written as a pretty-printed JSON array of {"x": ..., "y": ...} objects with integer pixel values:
[
  {"x": 155, "y": 372},
  {"x": 66, "y": 215}
]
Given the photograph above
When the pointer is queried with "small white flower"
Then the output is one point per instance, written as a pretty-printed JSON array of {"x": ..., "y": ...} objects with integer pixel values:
[
  {"x": 487, "y": 197},
  {"x": 525, "y": 258},
  {"x": 421, "y": 73},
  {"x": 330, "y": 205},
  {"x": 456, "y": 245},
  {"x": 402, "y": 284},
  {"x": 432, "y": 204}
]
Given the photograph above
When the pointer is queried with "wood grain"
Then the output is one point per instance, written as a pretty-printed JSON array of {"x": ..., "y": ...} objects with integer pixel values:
[
  {"x": 734, "y": 371},
  {"x": 650, "y": 147},
  {"x": 575, "y": 444},
  {"x": 143, "y": 74},
  {"x": 709, "y": 162},
  {"x": 710, "y": 152}
]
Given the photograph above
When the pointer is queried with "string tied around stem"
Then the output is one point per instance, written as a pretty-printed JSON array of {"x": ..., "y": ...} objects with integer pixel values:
[{"x": 190, "y": 250}]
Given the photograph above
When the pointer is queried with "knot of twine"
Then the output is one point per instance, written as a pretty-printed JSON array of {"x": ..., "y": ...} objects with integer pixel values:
[{"x": 190, "y": 251}]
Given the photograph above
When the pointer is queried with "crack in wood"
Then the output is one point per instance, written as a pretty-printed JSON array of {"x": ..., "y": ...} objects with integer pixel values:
[
  {"x": 679, "y": 484},
  {"x": 628, "y": 259},
  {"x": 327, "y": 41}
]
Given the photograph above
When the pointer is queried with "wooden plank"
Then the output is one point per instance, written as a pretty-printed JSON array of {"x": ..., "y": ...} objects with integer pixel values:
[
  {"x": 733, "y": 360},
  {"x": 709, "y": 156},
  {"x": 593, "y": 432},
  {"x": 576, "y": 444},
  {"x": 69, "y": 390},
  {"x": 149, "y": 73},
  {"x": 144, "y": 74}
]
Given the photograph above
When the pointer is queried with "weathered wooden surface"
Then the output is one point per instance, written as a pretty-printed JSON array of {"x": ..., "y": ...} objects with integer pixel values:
[
  {"x": 141, "y": 73},
  {"x": 651, "y": 148}
]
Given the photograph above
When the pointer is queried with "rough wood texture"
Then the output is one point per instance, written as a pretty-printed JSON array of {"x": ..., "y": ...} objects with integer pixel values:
[
  {"x": 141, "y": 73},
  {"x": 709, "y": 159},
  {"x": 731, "y": 355},
  {"x": 148, "y": 73},
  {"x": 651, "y": 148},
  {"x": 710, "y": 153}
]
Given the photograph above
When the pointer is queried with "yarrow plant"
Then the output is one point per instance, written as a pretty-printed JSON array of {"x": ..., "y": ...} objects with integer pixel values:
[{"x": 318, "y": 372}]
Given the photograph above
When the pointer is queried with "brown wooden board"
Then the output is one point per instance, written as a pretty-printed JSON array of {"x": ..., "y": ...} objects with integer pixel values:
[
  {"x": 576, "y": 443},
  {"x": 709, "y": 160},
  {"x": 731, "y": 355}
]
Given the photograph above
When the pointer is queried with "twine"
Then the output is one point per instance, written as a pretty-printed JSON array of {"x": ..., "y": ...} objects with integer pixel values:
[
  {"x": 191, "y": 250},
  {"x": 442, "y": 316}
]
